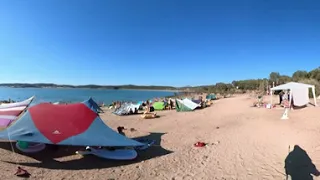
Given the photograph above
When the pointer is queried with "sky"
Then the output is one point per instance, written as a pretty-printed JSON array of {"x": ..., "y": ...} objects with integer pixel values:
[{"x": 156, "y": 42}]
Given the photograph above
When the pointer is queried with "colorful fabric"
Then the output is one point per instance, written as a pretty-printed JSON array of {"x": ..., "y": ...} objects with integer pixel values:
[
  {"x": 126, "y": 108},
  {"x": 197, "y": 101},
  {"x": 181, "y": 107},
  {"x": 190, "y": 104},
  {"x": 10, "y": 112},
  {"x": 72, "y": 124},
  {"x": 158, "y": 105},
  {"x": 17, "y": 104}
]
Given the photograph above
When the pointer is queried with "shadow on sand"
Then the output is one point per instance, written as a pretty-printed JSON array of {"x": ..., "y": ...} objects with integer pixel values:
[
  {"x": 299, "y": 165},
  {"x": 47, "y": 157}
]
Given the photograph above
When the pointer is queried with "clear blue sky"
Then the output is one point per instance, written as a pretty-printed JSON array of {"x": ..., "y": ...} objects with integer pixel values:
[{"x": 159, "y": 42}]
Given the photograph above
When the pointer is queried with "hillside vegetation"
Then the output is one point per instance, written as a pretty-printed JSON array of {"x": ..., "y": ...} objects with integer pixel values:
[{"x": 241, "y": 86}]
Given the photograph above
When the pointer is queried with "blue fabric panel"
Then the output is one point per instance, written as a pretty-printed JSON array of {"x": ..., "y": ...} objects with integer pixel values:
[
  {"x": 99, "y": 134},
  {"x": 23, "y": 130}
]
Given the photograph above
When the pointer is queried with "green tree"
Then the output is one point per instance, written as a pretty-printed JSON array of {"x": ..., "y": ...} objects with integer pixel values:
[
  {"x": 274, "y": 77},
  {"x": 312, "y": 77},
  {"x": 300, "y": 75},
  {"x": 312, "y": 82},
  {"x": 315, "y": 74},
  {"x": 284, "y": 79},
  {"x": 262, "y": 87}
]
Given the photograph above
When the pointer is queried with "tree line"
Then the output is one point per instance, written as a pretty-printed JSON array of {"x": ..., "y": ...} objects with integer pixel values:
[
  {"x": 239, "y": 86},
  {"x": 242, "y": 86}
]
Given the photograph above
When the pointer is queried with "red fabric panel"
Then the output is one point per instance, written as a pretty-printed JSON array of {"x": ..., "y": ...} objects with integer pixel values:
[
  {"x": 11, "y": 113},
  {"x": 59, "y": 122}
]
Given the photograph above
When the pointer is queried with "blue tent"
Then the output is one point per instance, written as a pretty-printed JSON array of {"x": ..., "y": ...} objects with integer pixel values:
[{"x": 211, "y": 97}]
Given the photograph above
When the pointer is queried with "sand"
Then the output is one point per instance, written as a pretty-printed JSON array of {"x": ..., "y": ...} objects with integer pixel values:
[{"x": 245, "y": 143}]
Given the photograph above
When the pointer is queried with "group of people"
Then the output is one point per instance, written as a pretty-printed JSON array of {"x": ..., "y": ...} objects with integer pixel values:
[
  {"x": 116, "y": 104},
  {"x": 7, "y": 101},
  {"x": 149, "y": 109}
]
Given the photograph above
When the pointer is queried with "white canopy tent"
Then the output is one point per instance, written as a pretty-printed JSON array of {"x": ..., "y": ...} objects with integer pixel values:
[{"x": 295, "y": 87}]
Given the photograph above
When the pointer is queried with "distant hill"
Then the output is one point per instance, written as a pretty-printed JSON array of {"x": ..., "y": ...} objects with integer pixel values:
[
  {"x": 239, "y": 86},
  {"x": 90, "y": 86}
]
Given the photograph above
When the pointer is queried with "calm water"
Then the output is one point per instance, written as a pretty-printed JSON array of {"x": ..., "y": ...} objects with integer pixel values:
[{"x": 78, "y": 95}]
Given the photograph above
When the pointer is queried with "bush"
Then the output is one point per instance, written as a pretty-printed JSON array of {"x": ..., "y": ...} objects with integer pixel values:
[{"x": 312, "y": 82}]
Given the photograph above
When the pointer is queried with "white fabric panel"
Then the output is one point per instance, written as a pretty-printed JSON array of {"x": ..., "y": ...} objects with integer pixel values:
[
  {"x": 17, "y": 104},
  {"x": 190, "y": 104},
  {"x": 300, "y": 96}
]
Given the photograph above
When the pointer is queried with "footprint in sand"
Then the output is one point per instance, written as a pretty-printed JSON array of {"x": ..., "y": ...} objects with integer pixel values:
[{"x": 187, "y": 177}]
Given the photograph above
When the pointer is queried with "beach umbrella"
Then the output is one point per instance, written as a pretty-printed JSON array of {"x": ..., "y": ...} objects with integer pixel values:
[{"x": 72, "y": 124}]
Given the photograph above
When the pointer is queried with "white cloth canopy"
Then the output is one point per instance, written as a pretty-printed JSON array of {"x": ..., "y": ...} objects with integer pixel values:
[
  {"x": 291, "y": 85},
  {"x": 299, "y": 90}
]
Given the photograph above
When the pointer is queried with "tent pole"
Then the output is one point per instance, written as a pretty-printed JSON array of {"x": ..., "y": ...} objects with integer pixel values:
[
  {"x": 271, "y": 91},
  {"x": 290, "y": 101},
  {"x": 314, "y": 96}
]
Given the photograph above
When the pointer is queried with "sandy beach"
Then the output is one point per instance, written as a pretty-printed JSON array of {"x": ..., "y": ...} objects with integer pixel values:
[{"x": 245, "y": 143}]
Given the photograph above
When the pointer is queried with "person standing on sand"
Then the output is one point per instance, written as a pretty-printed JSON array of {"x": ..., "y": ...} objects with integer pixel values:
[
  {"x": 280, "y": 97},
  {"x": 170, "y": 104}
]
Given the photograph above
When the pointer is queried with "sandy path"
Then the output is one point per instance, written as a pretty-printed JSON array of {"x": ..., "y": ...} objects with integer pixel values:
[{"x": 253, "y": 145}]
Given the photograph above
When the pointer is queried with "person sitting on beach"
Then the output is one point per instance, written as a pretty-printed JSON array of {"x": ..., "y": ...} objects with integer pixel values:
[
  {"x": 149, "y": 109},
  {"x": 118, "y": 105},
  {"x": 121, "y": 129}
]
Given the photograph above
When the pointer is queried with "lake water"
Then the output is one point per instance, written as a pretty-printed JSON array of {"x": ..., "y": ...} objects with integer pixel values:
[{"x": 78, "y": 95}]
